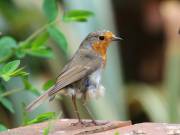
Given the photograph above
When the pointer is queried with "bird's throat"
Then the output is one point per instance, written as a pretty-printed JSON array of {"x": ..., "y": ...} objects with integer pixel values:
[{"x": 101, "y": 48}]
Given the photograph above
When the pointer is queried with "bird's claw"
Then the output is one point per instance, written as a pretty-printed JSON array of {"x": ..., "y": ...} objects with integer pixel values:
[
  {"x": 87, "y": 123},
  {"x": 98, "y": 123},
  {"x": 77, "y": 123}
]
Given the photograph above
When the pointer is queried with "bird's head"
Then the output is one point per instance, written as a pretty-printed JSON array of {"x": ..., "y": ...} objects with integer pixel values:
[
  {"x": 100, "y": 40},
  {"x": 102, "y": 37}
]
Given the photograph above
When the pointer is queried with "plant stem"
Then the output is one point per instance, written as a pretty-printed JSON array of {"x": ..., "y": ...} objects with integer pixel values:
[
  {"x": 10, "y": 92},
  {"x": 33, "y": 35},
  {"x": 6, "y": 58},
  {"x": 36, "y": 33}
]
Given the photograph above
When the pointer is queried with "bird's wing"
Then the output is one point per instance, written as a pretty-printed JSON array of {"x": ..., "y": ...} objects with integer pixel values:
[
  {"x": 74, "y": 73},
  {"x": 71, "y": 75},
  {"x": 80, "y": 66}
]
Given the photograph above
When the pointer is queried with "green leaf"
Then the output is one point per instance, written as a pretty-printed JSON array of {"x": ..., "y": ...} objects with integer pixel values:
[
  {"x": 40, "y": 41},
  {"x": 77, "y": 15},
  {"x": 48, "y": 84},
  {"x": 8, "y": 42},
  {"x": 10, "y": 67},
  {"x": 10, "y": 70},
  {"x": 41, "y": 52},
  {"x": 2, "y": 127},
  {"x": 20, "y": 53},
  {"x": 6, "y": 46},
  {"x": 50, "y": 9},
  {"x": 24, "y": 44},
  {"x": 19, "y": 72},
  {"x": 6, "y": 77},
  {"x": 2, "y": 88},
  {"x": 58, "y": 36},
  {"x": 7, "y": 104},
  {"x": 42, "y": 117}
]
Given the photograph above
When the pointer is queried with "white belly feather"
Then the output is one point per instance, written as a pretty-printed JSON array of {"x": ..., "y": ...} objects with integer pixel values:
[
  {"x": 95, "y": 92},
  {"x": 92, "y": 92}
]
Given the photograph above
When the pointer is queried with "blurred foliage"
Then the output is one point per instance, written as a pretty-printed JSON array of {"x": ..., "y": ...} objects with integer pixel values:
[
  {"x": 2, "y": 127},
  {"x": 48, "y": 84},
  {"x": 116, "y": 133},
  {"x": 42, "y": 117},
  {"x": 12, "y": 52},
  {"x": 58, "y": 36},
  {"x": 46, "y": 131},
  {"x": 77, "y": 15},
  {"x": 50, "y": 9},
  {"x": 152, "y": 100},
  {"x": 51, "y": 122}
]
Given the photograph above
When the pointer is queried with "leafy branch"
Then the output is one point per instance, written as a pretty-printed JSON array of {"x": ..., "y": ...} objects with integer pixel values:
[{"x": 12, "y": 52}]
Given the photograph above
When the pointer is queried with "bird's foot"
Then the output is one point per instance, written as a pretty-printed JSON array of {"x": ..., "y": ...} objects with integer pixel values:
[
  {"x": 78, "y": 123},
  {"x": 98, "y": 123}
]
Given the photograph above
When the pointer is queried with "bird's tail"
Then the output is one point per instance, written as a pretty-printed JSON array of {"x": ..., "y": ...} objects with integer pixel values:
[{"x": 37, "y": 102}]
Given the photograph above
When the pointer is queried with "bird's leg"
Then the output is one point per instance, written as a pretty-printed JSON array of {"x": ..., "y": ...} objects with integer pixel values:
[
  {"x": 76, "y": 109},
  {"x": 89, "y": 112}
]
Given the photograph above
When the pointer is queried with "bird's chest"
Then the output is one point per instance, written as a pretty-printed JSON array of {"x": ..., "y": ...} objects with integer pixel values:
[
  {"x": 101, "y": 49},
  {"x": 95, "y": 76}
]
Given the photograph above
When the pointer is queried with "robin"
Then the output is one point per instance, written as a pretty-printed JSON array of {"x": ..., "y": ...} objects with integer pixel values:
[{"x": 81, "y": 77}]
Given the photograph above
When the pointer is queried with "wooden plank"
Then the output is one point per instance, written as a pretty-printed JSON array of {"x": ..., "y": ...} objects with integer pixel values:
[
  {"x": 146, "y": 129},
  {"x": 65, "y": 127}
]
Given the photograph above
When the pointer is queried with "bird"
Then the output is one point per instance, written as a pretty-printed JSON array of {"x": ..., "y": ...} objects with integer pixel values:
[{"x": 81, "y": 76}]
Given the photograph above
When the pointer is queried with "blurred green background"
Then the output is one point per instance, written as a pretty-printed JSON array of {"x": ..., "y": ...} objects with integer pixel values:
[{"x": 142, "y": 75}]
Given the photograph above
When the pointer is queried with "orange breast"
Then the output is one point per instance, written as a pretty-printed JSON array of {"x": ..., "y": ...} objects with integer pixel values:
[{"x": 101, "y": 48}]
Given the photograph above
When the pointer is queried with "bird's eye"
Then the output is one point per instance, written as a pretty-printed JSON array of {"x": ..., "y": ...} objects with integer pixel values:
[{"x": 101, "y": 37}]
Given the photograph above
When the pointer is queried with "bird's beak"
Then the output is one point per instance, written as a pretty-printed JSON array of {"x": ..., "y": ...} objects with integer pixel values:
[{"x": 114, "y": 38}]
